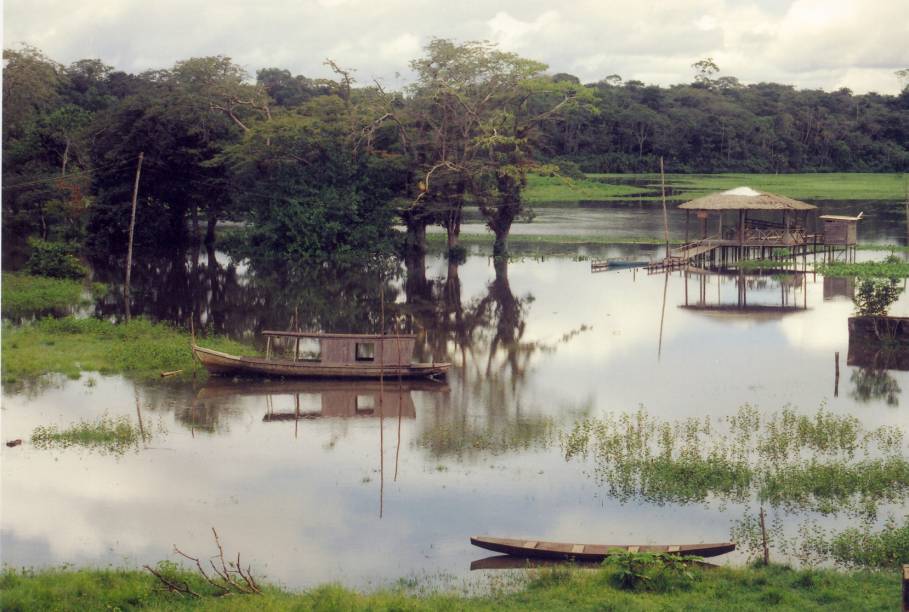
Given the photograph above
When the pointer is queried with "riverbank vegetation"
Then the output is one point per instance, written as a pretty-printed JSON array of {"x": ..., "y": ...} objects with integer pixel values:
[
  {"x": 821, "y": 186},
  {"x": 27, "y": 296},
  {"x": 557, "y": 588},
  {"x": 70, "y": 346}
]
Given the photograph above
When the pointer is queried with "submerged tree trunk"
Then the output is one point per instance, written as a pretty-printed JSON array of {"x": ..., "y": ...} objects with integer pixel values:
[{"x": 210, "y": 228}]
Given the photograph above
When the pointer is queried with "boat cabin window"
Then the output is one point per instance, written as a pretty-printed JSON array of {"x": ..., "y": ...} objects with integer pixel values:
[
  {"x": 310, "y": 349},
  {"x": 365, "y": 404},
  {"x": 366, "y": 351}
]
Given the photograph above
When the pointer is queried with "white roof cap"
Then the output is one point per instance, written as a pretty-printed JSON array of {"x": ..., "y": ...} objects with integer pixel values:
[{"x": 742, "y": 191}]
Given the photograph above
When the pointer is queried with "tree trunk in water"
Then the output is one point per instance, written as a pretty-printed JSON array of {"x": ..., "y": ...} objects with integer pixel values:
[
  {"x": 195, "y": 222},
  {"x": 500, "y": 246},
  {"x": 416, "y": 236},
  {"x": 210, "y": 229}
]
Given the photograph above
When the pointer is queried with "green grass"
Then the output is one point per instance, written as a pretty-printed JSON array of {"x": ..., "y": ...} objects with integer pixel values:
[
  {"x": 25, "y": 296},
  {"x": 558, "y": 588},
  {"x": 438, "y": 238},
  {"x": 563, "y": 189},
  {"x": 69, "y": 346},
  {"x": 830, "y": 186},
  {"x": 106, "y": 434}
]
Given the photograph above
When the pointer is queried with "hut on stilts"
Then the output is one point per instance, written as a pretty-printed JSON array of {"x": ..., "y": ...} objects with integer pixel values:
[{"x": 744, "y": 223}]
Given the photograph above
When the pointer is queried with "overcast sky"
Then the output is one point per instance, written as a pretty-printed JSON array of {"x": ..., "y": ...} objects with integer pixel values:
[{"x": 808, "y": 43}]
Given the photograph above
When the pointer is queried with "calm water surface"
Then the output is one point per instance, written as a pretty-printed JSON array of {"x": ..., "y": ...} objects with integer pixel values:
[{"x": 364, "y": 491}]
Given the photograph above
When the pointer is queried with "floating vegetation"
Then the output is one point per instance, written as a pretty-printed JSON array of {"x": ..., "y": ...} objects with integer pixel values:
[
  {"x": 108, "y": 434},
  {"x": 892, "y": 267},
  {"x": 824, "y": 463}
]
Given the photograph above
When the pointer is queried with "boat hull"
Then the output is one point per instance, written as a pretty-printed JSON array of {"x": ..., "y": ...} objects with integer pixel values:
[
  {"x": 592, "y": 552},
  {"x": 225, "y": 364}
]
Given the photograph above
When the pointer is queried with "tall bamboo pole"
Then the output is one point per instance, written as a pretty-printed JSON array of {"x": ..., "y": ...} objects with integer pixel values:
[
  {"x": 132, "y": 227},
  {"x": 665, "y": 213}
]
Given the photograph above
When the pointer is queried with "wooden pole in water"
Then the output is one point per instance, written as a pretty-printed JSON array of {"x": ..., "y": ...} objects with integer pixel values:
[
  {"x": 836, "y": 382},
  {"x": 132, "y": 226},
  {"x": 665, "y": 213}
]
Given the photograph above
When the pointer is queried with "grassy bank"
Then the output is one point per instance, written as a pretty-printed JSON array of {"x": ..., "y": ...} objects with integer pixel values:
[
  {"x": 830, "y": 186},
  {"x": 438, "y": 238},
  {"x": 774, "y": 587},
  {"x": 562, "y": 189},
  {"x": 69, "y": 346},
  {"x": 26, "y": 296}
]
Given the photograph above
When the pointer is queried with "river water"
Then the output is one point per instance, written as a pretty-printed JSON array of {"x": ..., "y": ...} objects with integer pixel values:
[{"x": 367, "y": 487}]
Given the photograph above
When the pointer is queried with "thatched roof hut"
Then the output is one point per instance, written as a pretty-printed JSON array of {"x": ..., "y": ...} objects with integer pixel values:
[{"x": 746, "y": 198}]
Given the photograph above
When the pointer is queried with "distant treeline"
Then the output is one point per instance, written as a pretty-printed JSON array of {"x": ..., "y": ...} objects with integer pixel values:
[
  {"x": 323, "y": 168},
  {"x": 721, "y": 125}
]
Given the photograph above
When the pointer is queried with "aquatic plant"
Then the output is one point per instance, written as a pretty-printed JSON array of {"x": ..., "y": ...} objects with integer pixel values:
[
  {"x": 107, "y": 434},
  {"x": 825, "y": 463}
]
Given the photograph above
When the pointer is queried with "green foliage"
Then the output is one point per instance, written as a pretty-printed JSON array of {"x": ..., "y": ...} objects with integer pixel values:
[
  {"x": 54, "y": 259},
  {"x": 107, "y": 434},
  {"x": 873, "y": 297},
  {"x": 27, "y": 296},
  {"x": 862, "y": 547},
  {"x": 309, "y": 195},
  {"x": 653, "y": 571},
  {"x": 70, "y": 346}
]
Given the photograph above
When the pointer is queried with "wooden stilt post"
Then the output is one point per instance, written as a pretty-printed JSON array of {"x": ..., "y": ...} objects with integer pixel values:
[{"x": 132, "y": 226}]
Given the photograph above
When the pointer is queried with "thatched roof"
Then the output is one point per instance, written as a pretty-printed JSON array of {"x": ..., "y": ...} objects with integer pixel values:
[{"x": 746, "y": 198}]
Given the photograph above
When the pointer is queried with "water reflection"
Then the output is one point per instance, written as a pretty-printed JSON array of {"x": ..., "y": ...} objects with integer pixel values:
[
  {"x": 538, "y": 345},
  {"x": 768, "y": 294}
]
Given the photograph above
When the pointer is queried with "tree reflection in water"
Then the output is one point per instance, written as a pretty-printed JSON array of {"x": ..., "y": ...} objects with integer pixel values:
[{"x": 870, "y": 384}]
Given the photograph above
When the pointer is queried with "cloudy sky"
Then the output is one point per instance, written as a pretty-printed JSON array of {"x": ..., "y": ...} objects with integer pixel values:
[{"x": 809, "y": 43}]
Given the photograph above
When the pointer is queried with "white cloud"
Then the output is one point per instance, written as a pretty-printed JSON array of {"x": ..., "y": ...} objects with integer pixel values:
[{"x": 809, "y": 43}]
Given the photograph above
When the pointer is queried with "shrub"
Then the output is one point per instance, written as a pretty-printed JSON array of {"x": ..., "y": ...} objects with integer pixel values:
[{"x": 54, "y": 259}]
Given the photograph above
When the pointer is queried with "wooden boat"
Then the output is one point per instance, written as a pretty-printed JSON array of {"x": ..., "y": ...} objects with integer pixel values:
[
  {"x": 314, "y": 355},
  {"x": 510, "y": 562},
  {"x": 604, "y": 265},
  {"x": 592, "y": 552}
]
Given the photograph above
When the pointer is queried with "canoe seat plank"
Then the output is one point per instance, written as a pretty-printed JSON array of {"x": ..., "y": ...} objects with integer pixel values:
[
  {"x": 530, "y": 544},
  {"x": 577, "y": 548}
]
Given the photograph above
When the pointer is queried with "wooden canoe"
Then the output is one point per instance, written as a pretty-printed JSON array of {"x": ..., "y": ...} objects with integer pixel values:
[
  {"x": 509, "y": 562},
  {"x": 217, "y": 362},
  {"x": 592, "y": 552}
]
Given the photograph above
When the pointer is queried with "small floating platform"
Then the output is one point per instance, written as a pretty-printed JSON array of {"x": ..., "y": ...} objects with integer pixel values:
[
  {"x": 604, "y": 265},
  {"x": 593, "y": 552}
]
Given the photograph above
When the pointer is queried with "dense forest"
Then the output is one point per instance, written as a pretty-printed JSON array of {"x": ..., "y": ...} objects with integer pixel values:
[{"x": 324, "y": 168}]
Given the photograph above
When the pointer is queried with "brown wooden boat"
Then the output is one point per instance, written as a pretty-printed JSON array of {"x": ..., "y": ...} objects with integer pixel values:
[
  {"x": 510, "y": 562},
  {"x": 311, "y": 355},
  {"x": 592, "y": 552}
]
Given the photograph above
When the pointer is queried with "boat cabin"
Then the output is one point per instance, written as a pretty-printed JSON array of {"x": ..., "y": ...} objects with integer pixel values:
[
  {"x": 340, "y": 349},
  {"x": 840, "y": 230}
]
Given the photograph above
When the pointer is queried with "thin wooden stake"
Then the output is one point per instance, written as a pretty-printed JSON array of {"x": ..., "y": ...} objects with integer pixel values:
[
  {"x": 764, "y": 538},
  {"x": 836, "y": 382},
  {"x": 132, "y": 227}
]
